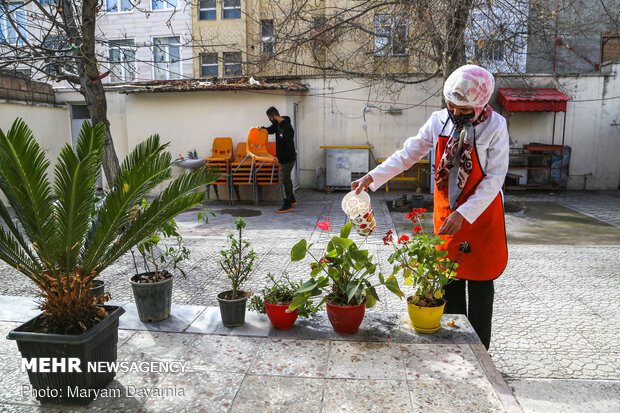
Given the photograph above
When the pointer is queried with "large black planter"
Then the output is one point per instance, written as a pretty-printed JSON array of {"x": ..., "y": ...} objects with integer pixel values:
[
  {"x": 98, "y": 288},
  {"x": 153, "y": 300},
  {"x": 232, "y": 311},
  {"x": 97, "y": 344}
]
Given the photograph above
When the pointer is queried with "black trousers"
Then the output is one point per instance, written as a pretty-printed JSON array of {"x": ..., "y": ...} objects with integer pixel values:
[
  {"x": 287, "y": 182},
  {"x": 480, "y": 309}
]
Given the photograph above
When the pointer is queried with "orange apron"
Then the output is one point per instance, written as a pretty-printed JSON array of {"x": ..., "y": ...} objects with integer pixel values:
[{"x": 486, "y": 236}]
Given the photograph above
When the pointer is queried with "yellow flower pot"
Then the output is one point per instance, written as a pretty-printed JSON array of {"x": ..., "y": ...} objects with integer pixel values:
[{"x": 425, "y": 319}]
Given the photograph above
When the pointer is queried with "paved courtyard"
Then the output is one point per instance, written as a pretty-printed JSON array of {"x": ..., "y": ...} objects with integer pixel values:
[{"x": 557, "y": 305}]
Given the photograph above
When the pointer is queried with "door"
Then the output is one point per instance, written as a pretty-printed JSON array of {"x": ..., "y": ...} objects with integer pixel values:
[
  {"x": 295, "y": 175},
  {"x": 79, "y": 113}
]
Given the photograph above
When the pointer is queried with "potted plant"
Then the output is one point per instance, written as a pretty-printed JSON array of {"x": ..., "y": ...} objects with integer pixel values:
[
  {"x": 152, "y": 287},
  {"x": 65, "y": 236},
  {"x": 275, "y": 299},
  {"x": 426, "y": 269},
  {"x": 237, "y": 263},
  {"x": 341, "y": 276}
]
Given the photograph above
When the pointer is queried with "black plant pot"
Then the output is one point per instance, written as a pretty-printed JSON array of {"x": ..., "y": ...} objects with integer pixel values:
[
  {"x": 232, "y": 311},
  {"x": 153, "y": 300},
  {"x": 98, "y": 288},
  {"x": 96, "y": 345}
]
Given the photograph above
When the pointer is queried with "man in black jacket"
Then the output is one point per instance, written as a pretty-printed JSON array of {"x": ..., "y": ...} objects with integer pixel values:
[{"x": 285, "y": 153}]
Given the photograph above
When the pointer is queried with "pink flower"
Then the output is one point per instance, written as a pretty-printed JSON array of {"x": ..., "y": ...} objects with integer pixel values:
[{"x": 325, "y": 225}]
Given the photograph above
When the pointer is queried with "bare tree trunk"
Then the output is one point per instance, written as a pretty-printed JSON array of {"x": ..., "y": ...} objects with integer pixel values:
[
  {"x": 454, "y": 47},
  {"x": 92, "y": 88}
]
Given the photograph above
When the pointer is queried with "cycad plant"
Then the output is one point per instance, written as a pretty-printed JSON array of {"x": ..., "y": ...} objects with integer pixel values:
[{"x": 63, "y": 235}]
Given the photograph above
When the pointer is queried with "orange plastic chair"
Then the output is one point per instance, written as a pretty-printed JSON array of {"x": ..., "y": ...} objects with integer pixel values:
[
  {"x": 222, "y": 150},
  {"x": 257, "y": 145},
  {"x": 271, "y": 148}
]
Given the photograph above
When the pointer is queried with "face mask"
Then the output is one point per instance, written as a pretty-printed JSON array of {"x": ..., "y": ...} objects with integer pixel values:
[{"x": 460, "y": 120}]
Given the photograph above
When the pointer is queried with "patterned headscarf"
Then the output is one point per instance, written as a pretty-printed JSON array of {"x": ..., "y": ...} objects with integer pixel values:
[{"x": 470, "y": 86}]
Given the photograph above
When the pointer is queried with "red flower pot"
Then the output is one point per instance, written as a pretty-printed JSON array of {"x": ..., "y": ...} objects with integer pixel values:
[
  {"x": 346, "y": 320},
  {"x": 279, "y": 317}
]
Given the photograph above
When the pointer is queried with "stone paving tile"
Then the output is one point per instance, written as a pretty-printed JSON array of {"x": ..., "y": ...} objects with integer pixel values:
[
  {"x": 574, "y": 396},
  {"x": 296, "y": 358},
  {"x": 450, "y": 396},
  {"x": 279, "y": 394},
  {"x": 526, "y": 363},
  {"x": 156, "y": 346},
  {"x": 342, "y": 395},
  {"x": 442, "y": 362},
  {"x": 366, "y": 360},
  {"x": 590, "y": 365},
  {"x": 15, "y": 384},
  {"x": 222, "y": 353},
  {"x": 8, "y": 348},
  {"x": 196, "y": 391}
]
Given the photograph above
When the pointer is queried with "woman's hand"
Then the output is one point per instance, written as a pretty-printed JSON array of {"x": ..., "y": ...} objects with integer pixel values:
[
  {"x": 361, "y": 184},
  {"x": 452, "y": 224}
]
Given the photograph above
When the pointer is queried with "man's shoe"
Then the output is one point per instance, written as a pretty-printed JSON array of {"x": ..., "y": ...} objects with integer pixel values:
[
  {"x": 293, "y": 202},
  {"x": 285, "y": 208}
]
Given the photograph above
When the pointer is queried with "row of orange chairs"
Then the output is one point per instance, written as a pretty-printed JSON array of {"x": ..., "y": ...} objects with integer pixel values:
[{"x": 253, "y": 163}]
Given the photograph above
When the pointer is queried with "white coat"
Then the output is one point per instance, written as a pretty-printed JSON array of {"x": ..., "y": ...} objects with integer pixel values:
[{"x": 492, "y": 146}]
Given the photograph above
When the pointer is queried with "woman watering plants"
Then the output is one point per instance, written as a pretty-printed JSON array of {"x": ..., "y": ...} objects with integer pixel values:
[{"x": 471, "y": 161}]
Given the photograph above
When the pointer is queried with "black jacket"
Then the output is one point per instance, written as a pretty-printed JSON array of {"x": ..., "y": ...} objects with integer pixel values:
[{"x": 285, "y": 142}]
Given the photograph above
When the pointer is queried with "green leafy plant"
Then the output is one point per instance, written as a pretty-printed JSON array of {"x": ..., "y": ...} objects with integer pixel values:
[
  {"x": 282, "y": 291},
  {"x": 421, "y": 264},
  {"x": 64, "y": 235},
  {"x": 341, "y": 275},
  {"x": 156, "y": 259},
  {"x": 238, "y": 260}
]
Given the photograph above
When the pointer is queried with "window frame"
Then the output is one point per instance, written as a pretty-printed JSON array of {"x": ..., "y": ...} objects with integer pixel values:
[
  {"x": 229, "y": 8},
  {"x": 267, "y": 40},
  {"x": 5, "y": 24},
  {"x": 167, "y": 53},
  {"x": 216, "y": 64},
  {"x": 166, "y": 4},
  {"x": 130, "y": 10},
  {"x": 124, "y": 63},
  {"x": 388, "y": 35},
  {"x": 226, "y": 64},
  {"x": 487, "y": 54},
  {"x": 201, "y": 9}
]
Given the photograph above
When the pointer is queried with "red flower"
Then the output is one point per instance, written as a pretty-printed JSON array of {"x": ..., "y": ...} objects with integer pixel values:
[
  {"x": 324, "y": 260},
  {"x": 416, "y": 229},
  {"x": 420, "y": 210},
  {"x": 387, "y": 238},
  {"x": 325, "y": 225},
  {"x": 412, "y": 215},
  {"x": 403, "y": 239}
]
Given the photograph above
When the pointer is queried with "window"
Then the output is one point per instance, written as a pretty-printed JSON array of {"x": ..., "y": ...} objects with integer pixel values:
[
  {"x": 232, "y": 64},
  {"x": 114, "y": 6},
  {"x": 390, "y": 35},
  {"x": 53, "y": 59},
  {"x": 167, "y": 58},
  {"x": 122, "y": 60},
  {"x": 266, "y": 32},
  {"x": 17, "y": 14},
  {"x": 231, "y": 9},
  {"x": 318, "y": 26},
  {"x": 490, "y": 50},
  {"x": 208, "y": 64},
  {"x": 163, "y": 4},
  {"x": 207, "y": 10}
]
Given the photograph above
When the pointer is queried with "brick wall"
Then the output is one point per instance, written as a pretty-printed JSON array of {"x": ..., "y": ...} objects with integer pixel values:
[{"x": 15, "y": 87}]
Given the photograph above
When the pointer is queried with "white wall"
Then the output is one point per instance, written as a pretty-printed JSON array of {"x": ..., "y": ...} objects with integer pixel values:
[
  {"x": 331, "y": 113},
  {"x": 50, "y": 124}
]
